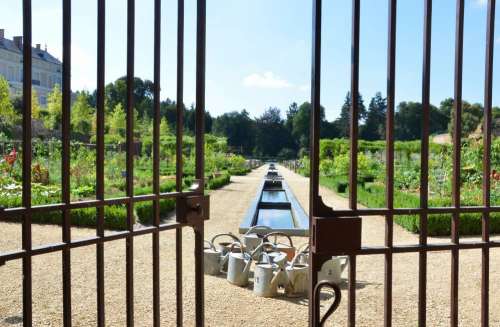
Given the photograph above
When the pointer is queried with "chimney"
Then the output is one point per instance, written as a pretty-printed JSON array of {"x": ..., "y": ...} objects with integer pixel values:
[
  {"x": 18, "y": 41},
  {"x": 2, "y": 33},
  {"x": 38, "y": 46}
]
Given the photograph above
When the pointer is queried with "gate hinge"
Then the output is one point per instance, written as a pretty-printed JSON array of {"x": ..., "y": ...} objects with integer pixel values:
[{"x": 193, "y": 210}]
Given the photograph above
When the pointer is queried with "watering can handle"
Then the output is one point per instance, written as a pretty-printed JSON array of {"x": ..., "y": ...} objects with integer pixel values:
[
  {"x": 265, "y": 255},
  {"x": 231, "y": 235},
  {"x": 304, "y": 248},
  {"x": 210, "y": 244},
  {"x": 297, "y": 256},
  {"x": 223, "y": 262},
  {"x": 261, "y": 245},
  {"x": 251, "y": 229},
  {"x": 276, "y": 234},
  {"x": 333, "y": 307}
]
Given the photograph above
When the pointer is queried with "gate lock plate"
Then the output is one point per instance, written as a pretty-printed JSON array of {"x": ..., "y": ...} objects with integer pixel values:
[
  {"x": 193, "y": 210},
  {"x": 336, "y": 236}
]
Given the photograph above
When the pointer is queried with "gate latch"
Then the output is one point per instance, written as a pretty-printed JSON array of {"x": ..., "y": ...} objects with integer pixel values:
[
  {"x": 193, "y": 209},
  {"x": 336, "y": 236}
]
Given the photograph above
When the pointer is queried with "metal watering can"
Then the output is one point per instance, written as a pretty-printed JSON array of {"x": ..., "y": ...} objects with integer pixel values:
[
  {"x": 252, "y": 239},
  {"x": 266, "y": 277},
  {"x": 333, "y": 268},
  {"x": 215, "y": 261},
  {"x": 238, "y": 267},
  {"x": 223, "y": 248},
  {"x": 289, "y": 249},
  {"x": 297, "y": 275}
]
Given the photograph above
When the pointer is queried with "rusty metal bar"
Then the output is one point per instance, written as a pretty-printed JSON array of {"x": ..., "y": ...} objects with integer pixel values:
[
  {"x": 66, "y": 159},
  {"x": 389, "y": 196},
  {"x": 424, "y": 163},
  {"x": 353, "y": 169},
  {"x": 130, "y": 161},
  {"x": 179, "y": 155},
  {"x": 488, "y": 86},
  {"x": 156, "y": 163},
  {"x": 314, "y": 144},
  {"x": 27, "y": 153},
  {"x": 200, "y": 153},
  {"x": 100, "y": 114},
  {"x": 457, "y": 133}
]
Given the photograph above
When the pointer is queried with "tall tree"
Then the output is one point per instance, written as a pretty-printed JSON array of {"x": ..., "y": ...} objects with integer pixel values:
[
  {"x": 8, "y": 116},
  {"x": 374, "y": 127},
  {"x": 82, "y": 116},
  {"x": 239, "y": 129},
  {"x": 54, "y": 108},
  {"x": 342, "y": 122},
  {"x": 271, "y": 134}
]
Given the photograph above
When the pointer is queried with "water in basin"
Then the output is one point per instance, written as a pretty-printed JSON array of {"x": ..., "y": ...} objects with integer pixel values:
[
  {"x": 275, "y": 218},
  {"x": 274, "y": 196}
]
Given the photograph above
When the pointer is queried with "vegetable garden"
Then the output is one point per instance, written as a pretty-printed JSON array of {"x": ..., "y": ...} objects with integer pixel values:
[
  {"x": 334, "y": 167},
  {"x": 46, "y": 175}
]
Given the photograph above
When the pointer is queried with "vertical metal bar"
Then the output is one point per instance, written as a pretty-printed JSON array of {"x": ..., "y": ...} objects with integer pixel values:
[
  {"x": 457, "y": 133},
  {"x": 351, "y": 305},
  {"x": 130, "y": 160},
  {"x": 424, "y": 162},
  {"x": 488, "y": 85},
  {"x": 66, "y": 159},
  {"x": 389, "y": 223},
  {"x": 26, "y": 181},
  {"x": 314, "y": 144},
  {"x": 353, "y": 171},
  {"x": 156, "y": 163},
  {"x": 101, "y": 45},
  {"x": 200, "y": 152},
  {"x": 179, "y": 155}
]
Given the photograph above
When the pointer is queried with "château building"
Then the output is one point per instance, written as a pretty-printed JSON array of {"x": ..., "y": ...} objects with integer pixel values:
[{"x": 46, "y": 71}]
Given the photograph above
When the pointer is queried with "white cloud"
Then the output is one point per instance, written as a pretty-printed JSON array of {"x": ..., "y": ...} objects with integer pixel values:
[
  {"x": 83, "y": 68},
  {"x": 480, "y": 3},
  {"x": 266, "y": 80}
]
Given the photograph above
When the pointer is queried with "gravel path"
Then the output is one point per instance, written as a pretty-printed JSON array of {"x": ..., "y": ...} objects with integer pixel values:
[{"x": 228, "y": 305}]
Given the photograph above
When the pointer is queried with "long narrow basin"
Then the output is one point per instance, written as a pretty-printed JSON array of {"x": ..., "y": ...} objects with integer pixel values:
[{"x": 275, "y": 206}]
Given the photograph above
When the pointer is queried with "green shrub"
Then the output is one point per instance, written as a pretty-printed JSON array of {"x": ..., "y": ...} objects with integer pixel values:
[
  {"x": 144, "y": 210},
  {"x": 219, "y": 181}
]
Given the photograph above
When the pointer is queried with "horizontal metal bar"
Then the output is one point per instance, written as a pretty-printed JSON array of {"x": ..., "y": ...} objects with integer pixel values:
[
  {"x": 9, "y": 212},
  {"x": 415, "y": 248},
  {"x": 59, "y": 246},
  {"x": 414, "y": 211}
]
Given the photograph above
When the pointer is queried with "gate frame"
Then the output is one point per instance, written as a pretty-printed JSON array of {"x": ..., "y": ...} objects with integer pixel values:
[
  {"x": 341, "y": 222},
  {"x": 192, "y": 206}
]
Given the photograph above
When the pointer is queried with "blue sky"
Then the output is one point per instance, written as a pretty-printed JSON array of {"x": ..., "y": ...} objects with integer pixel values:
[{"x": 258, "y": 51}]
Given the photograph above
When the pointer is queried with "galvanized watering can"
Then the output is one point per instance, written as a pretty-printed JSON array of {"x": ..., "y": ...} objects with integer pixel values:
[
  {"x": 252, "y": 238},
  {"x": 332, "y": 269},
  {"x": 266, "y": 277},
  {"x": 238, "y": 268},
  {"x": 215, "y": 260},
  {"x": 297, "y": 275},
  {"x": 289, "y": 249}
]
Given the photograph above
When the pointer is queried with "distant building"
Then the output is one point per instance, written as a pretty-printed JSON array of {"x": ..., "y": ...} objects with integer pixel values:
[{"x": 46, "y": 69}]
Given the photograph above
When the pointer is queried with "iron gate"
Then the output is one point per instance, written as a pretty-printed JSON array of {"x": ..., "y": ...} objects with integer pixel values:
[
  {"x": 191, "y": 206},
  {"x": 339, "y": 231}
]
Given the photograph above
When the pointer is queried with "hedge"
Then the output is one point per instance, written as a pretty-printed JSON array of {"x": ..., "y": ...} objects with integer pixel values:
[
  {"x": 373, "y": 196},
  {"x": 115, "y": 217}
]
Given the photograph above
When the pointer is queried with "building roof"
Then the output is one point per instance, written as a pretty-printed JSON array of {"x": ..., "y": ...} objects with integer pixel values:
[{"x": 35, "y": 52}]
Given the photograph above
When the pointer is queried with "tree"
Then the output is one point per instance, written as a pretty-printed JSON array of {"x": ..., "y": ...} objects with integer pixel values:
[
  {"x": 82, "y": 116},
  {"x": 239, "y": 129},
  {"x": 271, "y": 133},
  {"x": 472, "y": 116},
  {"x": 408, "y": 121},
  {"x": 117, "y": 124},
  {"x": 374, "y": 127},
  {"x": 35, "y": 105},
  {"x": 54, "y": 108},
  {"x": 8, "y": 116},
  {"x": 343, "y": 122}
]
